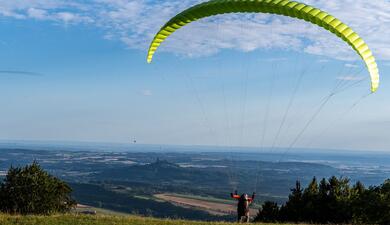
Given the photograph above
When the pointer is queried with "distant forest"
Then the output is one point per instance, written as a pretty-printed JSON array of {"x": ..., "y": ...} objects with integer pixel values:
[{"x": 331, "y": 201}]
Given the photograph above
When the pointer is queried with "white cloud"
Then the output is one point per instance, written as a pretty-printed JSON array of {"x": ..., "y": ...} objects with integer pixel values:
[
  {"x": 146, "y": 92},
  {"x": 349, "y": 65},
  {"x": 134, "y": 22},
  {"x": 68, "y": 17},
  {"x": 37, "y": 13},
  {"x": 350, "y": 78},
  {"x": 323, "y": 60},
  {"x": 51, "y": 10}
]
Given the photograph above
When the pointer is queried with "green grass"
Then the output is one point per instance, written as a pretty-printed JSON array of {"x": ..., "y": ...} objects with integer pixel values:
[
  {"x": 94, "y": 220},
  {"x": 102, "y": 211}
]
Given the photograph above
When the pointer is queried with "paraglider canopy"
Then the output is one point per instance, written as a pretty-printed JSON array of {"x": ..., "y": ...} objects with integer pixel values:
[{"x": 280, "y": 7}]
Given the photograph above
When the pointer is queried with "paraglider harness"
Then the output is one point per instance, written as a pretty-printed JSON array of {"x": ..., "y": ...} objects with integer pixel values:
[{"x": 243, "y": 205}]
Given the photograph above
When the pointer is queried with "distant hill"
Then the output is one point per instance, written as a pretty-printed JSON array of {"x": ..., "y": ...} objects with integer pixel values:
[
  {"x": 214, "y": 178},
  {"x": 163, "y": 171}
]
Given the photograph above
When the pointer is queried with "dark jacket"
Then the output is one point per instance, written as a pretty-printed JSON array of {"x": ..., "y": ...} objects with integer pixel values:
[{"x": 243, "y": 203}]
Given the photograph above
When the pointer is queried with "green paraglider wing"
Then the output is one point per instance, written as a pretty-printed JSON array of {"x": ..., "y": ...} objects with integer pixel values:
[{"x": 280, "y": 7}]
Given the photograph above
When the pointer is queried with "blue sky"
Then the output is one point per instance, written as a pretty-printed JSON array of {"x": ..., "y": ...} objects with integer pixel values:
[{"x": 76, "y": 71}]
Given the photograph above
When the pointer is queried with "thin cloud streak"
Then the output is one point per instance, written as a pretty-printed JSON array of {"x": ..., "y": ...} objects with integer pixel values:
[
  {"x": 19, "y": 72},
  {"x": 350, "y": 78},
  {"x": 351, "y": 65}
]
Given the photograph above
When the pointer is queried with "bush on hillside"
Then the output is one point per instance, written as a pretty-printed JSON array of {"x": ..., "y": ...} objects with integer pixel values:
[{"x": 31, "y": 190}]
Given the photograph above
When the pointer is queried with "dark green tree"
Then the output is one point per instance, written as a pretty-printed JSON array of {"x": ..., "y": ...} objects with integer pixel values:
[
  {"x": 31, "y": 190},
  {"x": 385, "y": 196},
  {"x": 373, "y": 205},
  {"x": 336, "y": 202},
  {"x": 332, "y": 201},
  {"x": 323, "y": 201},
  {"x": 357, "y": 192},
  {"x": 294, "y": 206},
  {"x": 310, "y": 201},
  {"x": 268, "y": 213}
]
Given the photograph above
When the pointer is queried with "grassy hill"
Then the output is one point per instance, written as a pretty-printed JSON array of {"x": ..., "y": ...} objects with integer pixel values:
[{"x": 94, "y": 220}]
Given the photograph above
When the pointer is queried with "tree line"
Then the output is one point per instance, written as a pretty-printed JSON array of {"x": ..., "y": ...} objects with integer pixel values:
[{"x": 332, "y": 200}]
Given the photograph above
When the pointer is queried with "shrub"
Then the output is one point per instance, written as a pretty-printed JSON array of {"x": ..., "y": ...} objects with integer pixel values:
[{"x": 31, "y": 190}]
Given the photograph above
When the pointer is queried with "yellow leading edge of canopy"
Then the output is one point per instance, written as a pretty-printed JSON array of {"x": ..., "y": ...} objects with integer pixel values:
[{"x": 280, "y": 7}]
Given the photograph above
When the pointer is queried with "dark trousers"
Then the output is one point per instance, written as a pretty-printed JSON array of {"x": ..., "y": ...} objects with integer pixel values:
[{"x": 243, "y": 217}]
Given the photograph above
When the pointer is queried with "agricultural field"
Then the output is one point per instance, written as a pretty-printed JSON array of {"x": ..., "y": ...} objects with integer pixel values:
[{"x": 212, "y": 206}]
